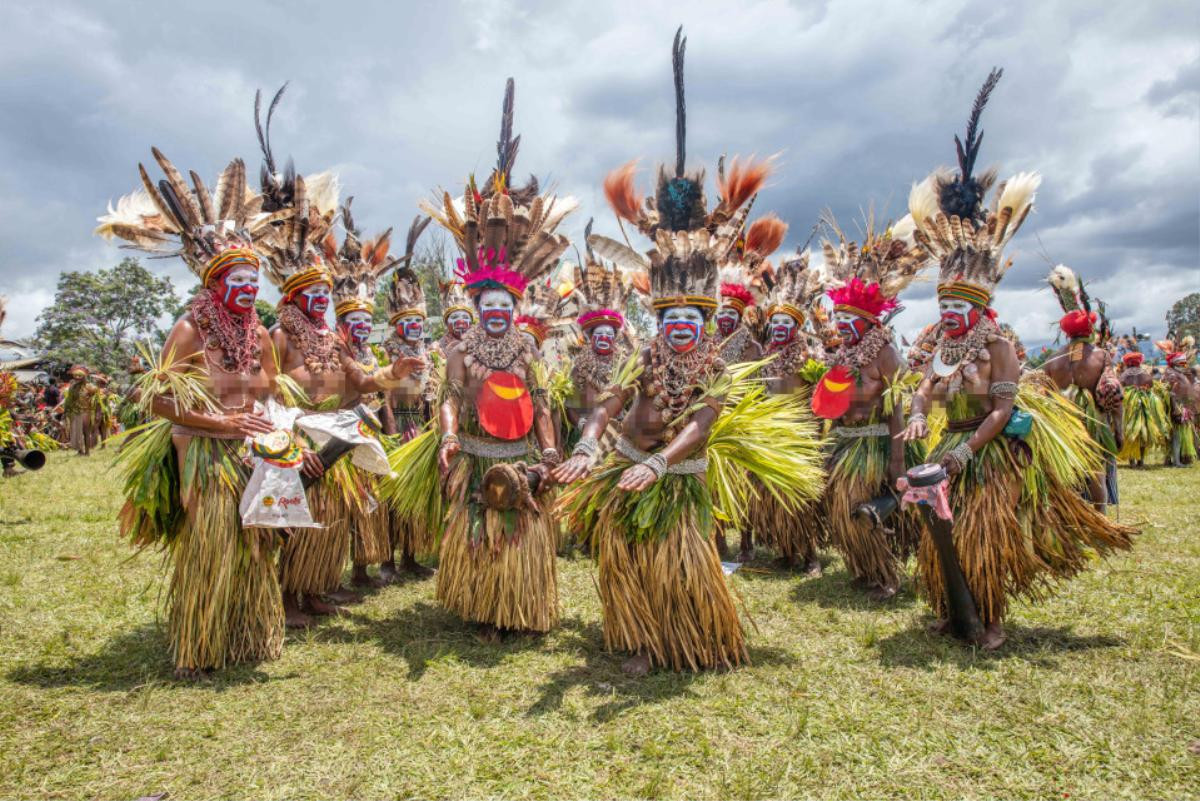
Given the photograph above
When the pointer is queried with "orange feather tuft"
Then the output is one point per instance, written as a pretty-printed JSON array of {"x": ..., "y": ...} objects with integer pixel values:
[
  {"x": 765, "y": 235},
  {"x": 380, "y": 252},
  {"x": 743, "y": 181},
  {"x": 622, "y": 194},
  {"x": 330, "y": 248}
]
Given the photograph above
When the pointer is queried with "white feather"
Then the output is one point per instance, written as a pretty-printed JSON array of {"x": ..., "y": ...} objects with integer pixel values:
[
  {"x": 323, "y": 190},
  {"x": 620, "y": 254},
  {"x": 922, "y": 201},
  {"x": 131, "y": 209},
  {"x": 1019, "y": 192},
  {"x": 903, "y": 228}
]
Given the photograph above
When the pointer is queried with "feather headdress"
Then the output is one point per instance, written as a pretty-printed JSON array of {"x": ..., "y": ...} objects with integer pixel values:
[
  {"x": 407, "y": 296},
  {"x": 605, "y": 288},
  {"x": 794, "y": 288},
  {"x": 507, "y": 236},
  {"x": 293, "y": 248},
  {"x": 211, "y": 232},
  {"x": 953, "y": 225},
  {"x": 454, "y": 298},
  {"x": 357, "y": 265},
  {"x": 865, "y": 279},
  {"x": 1079, "y": 319},
  {"x": 1177, "y": 355},
  {"x": 741, "y": 274},
  {"x": 689, "y": 242}
]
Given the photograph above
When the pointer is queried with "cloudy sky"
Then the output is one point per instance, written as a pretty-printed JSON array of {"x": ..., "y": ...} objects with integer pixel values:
[{"x": 859, "y": 99}]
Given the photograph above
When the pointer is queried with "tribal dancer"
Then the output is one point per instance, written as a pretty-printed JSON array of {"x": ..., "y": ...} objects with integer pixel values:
[
  {"x": 1178, "y": 380},
  {"x": 1146, "y": 420},
  {"x": 862, "y": 392},
  {"x": 184, "y": 478},
  {"x": 77, "y": 410},
  {"x": 794, "y": 291},
  {"x": 497, "y": 565},
  {"x": 1083, "y": 370},
  {"x": 458, "y": 315},
  {"x": 1015, "y": 452},
  {"x": 357, "y": 267},
  {"x": 409, "y": 402},
  {"x": 649, "y": 507}
]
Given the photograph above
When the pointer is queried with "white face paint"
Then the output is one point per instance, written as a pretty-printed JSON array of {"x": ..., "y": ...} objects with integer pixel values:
[
  {"x": 240, "y": 288},
  {"x": 358, "y": 323},
  {"x": 458, "y": 322},
  {"x": 844, "y": 318},
  {"x": 681, "y": 327},
  {"x": 495, "y": 311},
  {"x": 411, "y": 327},
  {"x": 783, "y": 327},
  {"x": 727, "y": 319},
  {"x": 315, "y": 300},
  {"x": 603, "y": 338},
  {"x": 956, "y": 315}
]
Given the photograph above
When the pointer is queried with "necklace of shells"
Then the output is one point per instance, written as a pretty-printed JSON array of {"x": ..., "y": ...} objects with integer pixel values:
[
  {"x": 735, "y": 344},
  {"x": 592, "y": 369},
  {"x": 864, "y": 352},
  {"x": 676, "y": 377},
  {"x": 954, "y": 356}
]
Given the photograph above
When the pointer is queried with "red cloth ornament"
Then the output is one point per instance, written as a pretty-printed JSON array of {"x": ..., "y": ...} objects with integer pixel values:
[
  {"x": 504, "y": 407},
  {"x": 1078, "y": 324},
  {"x": 833, "y": 394}
]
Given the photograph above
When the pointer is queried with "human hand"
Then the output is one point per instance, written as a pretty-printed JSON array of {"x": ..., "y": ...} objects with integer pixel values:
[
  {"x": 571, "y": 470},
  {"x": 636, "y": 478}
]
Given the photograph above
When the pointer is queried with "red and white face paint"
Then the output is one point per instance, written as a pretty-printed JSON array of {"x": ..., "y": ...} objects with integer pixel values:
[
  {"x": 958, "y": 316},
  {"x": 603, "y": 338},
  {"x": 495, "y": 311},
  {"x": 411, "y": 327},
  {"x": 314, "y": 301},
  {"x": 357, "y": 326},
  {"x": 782, "y": 328},
  {"x": 728, "y": 318},
  {"x": 851, "y": 327},
  {"x": 237, "y": 289},
  {"x": 459, "y": 322},
  {"x": 682, "y": 327}
]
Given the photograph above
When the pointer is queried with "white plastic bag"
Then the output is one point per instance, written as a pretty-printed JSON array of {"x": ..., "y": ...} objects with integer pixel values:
[{"x": 274, "y": 496}]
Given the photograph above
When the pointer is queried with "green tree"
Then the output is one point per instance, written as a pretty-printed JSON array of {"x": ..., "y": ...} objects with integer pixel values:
[
  {"x": 97, "y": 316},
  {"x": 266, "y": 313},
  {"x": 1184, "y": 317}
]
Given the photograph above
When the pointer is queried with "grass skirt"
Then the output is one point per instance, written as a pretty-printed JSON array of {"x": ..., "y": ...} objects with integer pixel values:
[
  {"x": 661, "y": 584},
  {"x": 413, "y": 493},
  {"x": 496, "y": 568},
  {"x": 370, "y": 525},
  {"x": 1146, "y": 423},
  {"x": 312, "y": 559},
  {"x": 795, "y": 533},
  {"x": 858, "y": 472},
  {"x": 1019, "y": 523},
  {"x": 224, "y": 597}
]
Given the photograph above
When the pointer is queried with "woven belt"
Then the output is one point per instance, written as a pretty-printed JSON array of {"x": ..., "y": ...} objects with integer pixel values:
[
  {"x": 688, "y": 467},
  {"x": 970, "y": 424},
  {"x": 178, "y": 430},
  {"x": 858, "y": 432},
  {"x": 493, "y": 448}
]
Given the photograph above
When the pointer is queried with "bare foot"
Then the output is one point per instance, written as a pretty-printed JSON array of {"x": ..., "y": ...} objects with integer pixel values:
[
  {"x": 319, "y": 607},
  {"x": 190, "y": 674},
  {"x": 388, "y": 573},
  {"x": 940, "y": 626},
  {"x": 745, "y": 555},
  {"x": 993, "y": 637},
  {"x": 414, "y": 568},
  {"x": 343, "y": 595},
  {"x": 361, "y": 578},
  {"x": 636, "y": 666},
  {"x": 813, "y": 568},
  {"x": 783, "y": 563},
  {"x": 882, "y": 592},
  {"x": 295, "y": 619},
  {"x": 489, "y": 634}
]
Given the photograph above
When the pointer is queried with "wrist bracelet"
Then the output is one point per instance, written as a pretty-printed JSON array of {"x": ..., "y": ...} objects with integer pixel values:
[
  {"x": 587, "y": 446},
  {"x": 917, "y": 417},
  {"x": 658, "y": 463},
  {"x": 449, "y": 437},
  {"x": 550, "y": 456},
  {"x": 962, "y": 454}
]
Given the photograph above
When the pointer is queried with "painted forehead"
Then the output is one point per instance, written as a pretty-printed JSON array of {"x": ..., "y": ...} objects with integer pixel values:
[
  {"x": 241, "y": 275},
  {"x": 357, "y": 317},
  {"x": 781, "y": 318},
  {"x": 954, "y": 304},
  {"x": 683, "y": 313}
]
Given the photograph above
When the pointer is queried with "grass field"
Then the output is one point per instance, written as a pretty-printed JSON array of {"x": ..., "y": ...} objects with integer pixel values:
[{"x": 1097, "y": 693}]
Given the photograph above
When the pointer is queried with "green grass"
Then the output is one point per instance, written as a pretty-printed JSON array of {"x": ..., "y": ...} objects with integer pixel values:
[{"x": 1096, "y": 693}]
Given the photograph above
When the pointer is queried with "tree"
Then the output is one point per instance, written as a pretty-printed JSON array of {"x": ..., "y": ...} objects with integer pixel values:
[
  {"x": 266, "y": 313},
  {"x": 1184, "y": 317},
  {"x": 97, "y": 316}
]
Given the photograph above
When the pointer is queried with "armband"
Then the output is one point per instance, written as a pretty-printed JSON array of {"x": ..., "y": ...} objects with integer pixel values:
[{"x": 1003, "y": 389}]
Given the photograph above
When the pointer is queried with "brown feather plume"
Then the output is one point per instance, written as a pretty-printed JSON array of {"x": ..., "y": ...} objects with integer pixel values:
[
  {"x": 765, "y": 235},
  {"x": 742, "y": 182},
  {"x": 622, "y": 194}
]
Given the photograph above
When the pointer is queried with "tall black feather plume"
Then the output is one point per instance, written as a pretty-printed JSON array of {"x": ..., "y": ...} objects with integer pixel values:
[
  {"x": 506, "y": 145},
  {"x": 419, "y": 224},
  {"x": 962, "y": 197},
  {"x": 677, "y": 51},
  {"x": 278, "y": 193},
  {"x": 173, "y": 203},
  {"x": 587, "y": 235}
]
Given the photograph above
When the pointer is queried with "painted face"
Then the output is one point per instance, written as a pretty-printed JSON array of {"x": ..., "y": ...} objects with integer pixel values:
[
  {"x": 958, "y": 316},
  {"x": 237, "y": 289},
  {"x": 458, "y": 322},
  {"x": 783, "y": 328},
  {"x": 851, "y": 327},
  {"x": 411, "y": 327},
  {"x": 314, "y": 301},
  {"x": 495, "y": 311},
  {"x": 603, "y": 338},
  {"x": 358, "y": 325},
  {"x": 727, "y": 319},
  {"x": 681, "y": 327}
]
